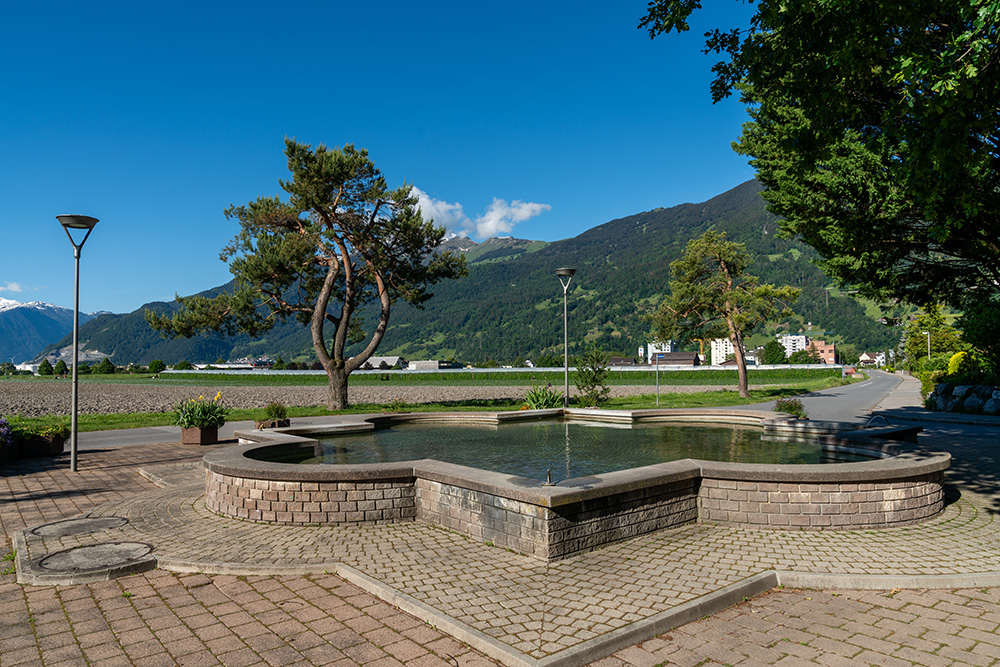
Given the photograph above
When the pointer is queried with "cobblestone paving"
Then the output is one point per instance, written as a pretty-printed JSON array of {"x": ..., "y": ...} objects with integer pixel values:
[
  {"x": 166, "y": 618},
  {"x": 175, "y": 618},
  {"x": 537, "y": 608}
]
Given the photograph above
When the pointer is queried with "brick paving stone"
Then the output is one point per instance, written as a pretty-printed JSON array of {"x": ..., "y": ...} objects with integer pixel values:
[{"x": 567, "y": 601}]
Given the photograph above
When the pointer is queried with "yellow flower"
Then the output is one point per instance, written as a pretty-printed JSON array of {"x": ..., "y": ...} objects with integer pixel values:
[
  {"x": 201, "y": 398},
  {"x": 218, "y": 396}
]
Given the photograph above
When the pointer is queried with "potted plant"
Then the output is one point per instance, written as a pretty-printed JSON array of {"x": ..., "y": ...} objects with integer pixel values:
[
  {"x": 275, "y": 416},
  {"x": 7, "y": 451},
  {"x": 200, "y": 419},
  {"x": 35, "y": 441}
]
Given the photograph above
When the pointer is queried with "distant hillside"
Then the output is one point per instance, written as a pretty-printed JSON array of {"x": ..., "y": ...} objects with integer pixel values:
[
  {"x": 494, "y": 249},
  {"x": 26, "y": 328},
  {"x": 509, "y": 308},
  {"x": 513, "y": 310}
]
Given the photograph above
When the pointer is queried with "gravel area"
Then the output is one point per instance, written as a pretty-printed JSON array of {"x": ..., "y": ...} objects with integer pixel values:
[{"x": 32, "y": 399}]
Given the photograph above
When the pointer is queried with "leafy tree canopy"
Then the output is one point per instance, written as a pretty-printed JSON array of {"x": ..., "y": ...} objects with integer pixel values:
[
  {"x": 875, "y": 130},
  {"x": 943, "y": 341},
  {"x": 342, "y": 240},
  {"x": 711, "y": 296},
  {"x": 980, "y": 324},
  {"x": 774, "y": 353}
]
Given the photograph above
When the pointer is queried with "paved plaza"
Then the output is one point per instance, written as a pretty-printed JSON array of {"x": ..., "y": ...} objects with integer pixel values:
[{"x": 236, "y": 593}]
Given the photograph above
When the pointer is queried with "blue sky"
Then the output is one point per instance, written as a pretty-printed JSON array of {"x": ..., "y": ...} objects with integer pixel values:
[{"x": 536, "y": 119}]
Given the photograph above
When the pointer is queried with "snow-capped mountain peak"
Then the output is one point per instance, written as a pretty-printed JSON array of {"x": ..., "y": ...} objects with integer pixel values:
[{"x": 10, "y": 304}]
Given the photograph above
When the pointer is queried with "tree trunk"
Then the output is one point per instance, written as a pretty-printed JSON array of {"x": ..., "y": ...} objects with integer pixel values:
[
  {"x": 338, "y": 388},
  {"x": 736, "y": 338}
]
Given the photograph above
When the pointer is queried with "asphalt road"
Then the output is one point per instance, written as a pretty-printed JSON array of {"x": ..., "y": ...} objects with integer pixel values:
[{"x": 851, "y": 403}]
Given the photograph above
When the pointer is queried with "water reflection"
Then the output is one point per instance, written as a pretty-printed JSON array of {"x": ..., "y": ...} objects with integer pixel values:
[{"x": 566, "y": 449}]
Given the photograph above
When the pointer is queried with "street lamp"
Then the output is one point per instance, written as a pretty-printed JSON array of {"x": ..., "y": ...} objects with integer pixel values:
[
  {"x": 76, "y": 222},
  {"x": 566, "y": 273},
  {"x": 928, "y": 334}
]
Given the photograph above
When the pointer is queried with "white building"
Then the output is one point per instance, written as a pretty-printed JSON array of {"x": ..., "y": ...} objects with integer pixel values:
[
  {"x": 793, "y": 343},
  {"x": 654, "y": 350},
  {"x": 721, "y": 348}
]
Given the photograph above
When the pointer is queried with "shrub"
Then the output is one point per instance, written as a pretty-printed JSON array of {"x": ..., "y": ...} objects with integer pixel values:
[
  {"x": 6, "y": 438},
  {"x": 591, "y": 375},
  {"x": 928, "y": 380},
  {"x": 60, "y": 368},
  {"x": 543, "y": 398},
  {"x": 183, "y": 366},
  {"x": 105, "y": 367},
  {"x": 199, "y": 412},
  {"x": 45, "y": 368},
  {"x": 275, "y": 410},
  {"x": 964, "y": 368},
  {"x": 791, "y": 406}
]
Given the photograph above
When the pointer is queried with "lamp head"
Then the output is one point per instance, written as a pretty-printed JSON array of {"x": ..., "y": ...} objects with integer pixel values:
[
  {"x": 565, "y": 272},
  {"x": 76, "y": 221}
]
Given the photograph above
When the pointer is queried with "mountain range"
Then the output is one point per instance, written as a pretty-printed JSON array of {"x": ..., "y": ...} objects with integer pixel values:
[
  {"x": 509, "y": 307},
  {"x": 26, "y": 328}
]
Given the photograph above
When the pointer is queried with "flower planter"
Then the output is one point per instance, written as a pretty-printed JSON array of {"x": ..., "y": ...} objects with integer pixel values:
[
  {"x": 199, "y": 435},
  {"x": 272, "y": 423},
  {"x": 40, "y": 445}
]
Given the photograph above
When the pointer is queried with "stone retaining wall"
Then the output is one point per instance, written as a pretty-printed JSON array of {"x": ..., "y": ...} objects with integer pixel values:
[
  {"x": 552, "y": 522},
  {"x": 556, "y": 533},
  {"x": 792, "y": 506},
  {"x": 311, "y": 503}
]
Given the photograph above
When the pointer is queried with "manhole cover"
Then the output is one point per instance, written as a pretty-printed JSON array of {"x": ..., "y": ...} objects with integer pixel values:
[
  {"x": 79, "y": 526},
  {"x": 95, "y": 556}
]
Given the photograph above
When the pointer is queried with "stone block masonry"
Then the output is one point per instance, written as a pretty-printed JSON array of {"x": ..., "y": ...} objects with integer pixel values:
[
  {"x": 310, "y": 503},
  {"x": 578, "y": 515},
  {"x": 553, "y": 533},
  {"x": 812, "y": 506}
]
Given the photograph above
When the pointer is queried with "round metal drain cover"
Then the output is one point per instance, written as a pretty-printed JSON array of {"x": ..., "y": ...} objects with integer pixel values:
[
  {"x": 79, "y": 526},
  {"x": 95, "y": 556}
]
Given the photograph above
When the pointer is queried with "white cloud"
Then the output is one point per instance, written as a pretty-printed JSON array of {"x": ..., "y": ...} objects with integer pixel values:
[
  {"x": 498, "y": 220},
  {"x": 501, "y": 217},
  {"x": 450, "y": 215},
  {"x": 11, "y": 287}
]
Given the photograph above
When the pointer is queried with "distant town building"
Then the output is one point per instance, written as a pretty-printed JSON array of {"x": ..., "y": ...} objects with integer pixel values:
[
  {"x": 677, "y": 359},
  {"x": 720, "y": 349},
  {"x": 384, "y": 363},
  {"x": 827, "y": 351},
  {"x": 432, "y": 365},
  {"x": 654, "y": 349},
  {"x": 793, "y": 343},
  {"x": 621, "y": 361}
]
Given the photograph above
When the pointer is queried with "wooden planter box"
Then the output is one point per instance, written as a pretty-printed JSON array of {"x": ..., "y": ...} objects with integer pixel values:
[
  {"x": 272, "y": 423},
  {"x": 199, "y": 435}
]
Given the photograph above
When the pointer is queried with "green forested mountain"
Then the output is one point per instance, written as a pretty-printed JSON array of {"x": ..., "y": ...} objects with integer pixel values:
[
  {"x": 509, "y": 308},
  {"x": 513, "y": 310}
]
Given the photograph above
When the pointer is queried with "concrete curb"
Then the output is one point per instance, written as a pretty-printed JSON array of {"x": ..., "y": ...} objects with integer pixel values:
[
  {"x": 879, "y": 582},
  {"x": 29, "y": 572}
]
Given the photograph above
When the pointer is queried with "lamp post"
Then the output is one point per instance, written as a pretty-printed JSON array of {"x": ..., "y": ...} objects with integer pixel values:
[
  {"x": 81, "y": 222},
  {"x": 565, "y": 277},
  {"x": 928, "y": 334}
]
